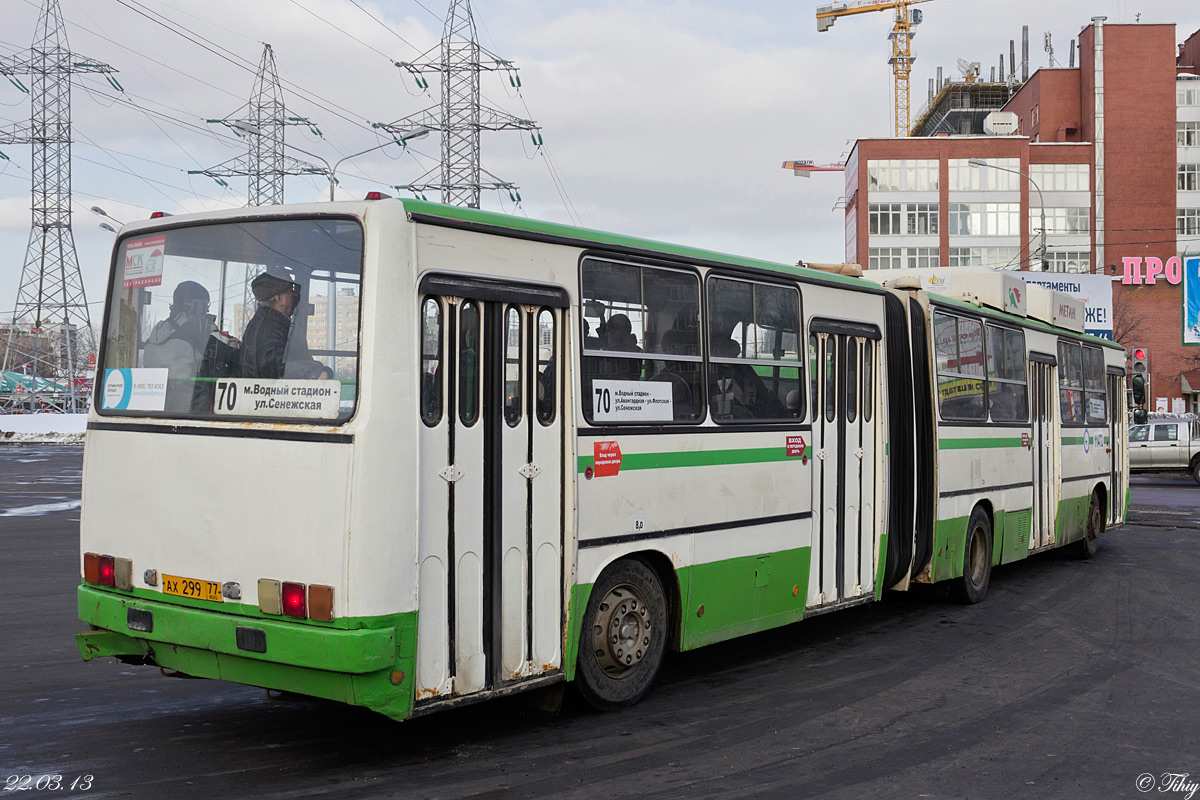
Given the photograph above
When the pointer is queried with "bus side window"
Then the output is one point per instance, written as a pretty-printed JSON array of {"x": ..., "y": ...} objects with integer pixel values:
[
  {"x": 830, "y": 378},
  {"x": 868, "y": 382},
  {"x": 1095, "y": 407},
  {"x": 851, "y": 380},
  {"x": 547, "y": 380},
  {"x": 431, "y": 362},
  {"x": 813, "y": 352},
  {"x": 512, "y": 367},
  {"x": 753, "y": 350},
  {"x": 1007, "y": 391},
  {"x": 959, "y": 347},
  {"x": 468, "y": 364},
  {"x": 1070, "y": 382}
]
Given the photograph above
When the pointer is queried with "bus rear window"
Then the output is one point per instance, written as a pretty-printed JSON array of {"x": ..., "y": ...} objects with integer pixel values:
[{"x": 248, "y": 320}]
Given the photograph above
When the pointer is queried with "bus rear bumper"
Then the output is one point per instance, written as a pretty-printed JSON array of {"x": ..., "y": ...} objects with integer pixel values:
[{"x": 372, "y": 667}]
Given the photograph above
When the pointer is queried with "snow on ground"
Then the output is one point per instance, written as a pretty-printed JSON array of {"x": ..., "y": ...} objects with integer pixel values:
[{"x": 50, "y": 428}]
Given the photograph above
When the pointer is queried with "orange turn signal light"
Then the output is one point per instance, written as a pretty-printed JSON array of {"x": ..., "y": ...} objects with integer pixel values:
[{"x": 320, "y": 603}]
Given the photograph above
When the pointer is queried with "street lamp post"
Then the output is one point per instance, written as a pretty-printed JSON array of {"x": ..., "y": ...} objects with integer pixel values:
[
  {"x": 100, "y": 212},
  {"x": 979, "y": 162},
  {"x": 415, "y": 133}
]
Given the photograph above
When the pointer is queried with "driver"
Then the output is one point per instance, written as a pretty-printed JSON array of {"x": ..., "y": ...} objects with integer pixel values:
[{"x": 178, "y": 343}]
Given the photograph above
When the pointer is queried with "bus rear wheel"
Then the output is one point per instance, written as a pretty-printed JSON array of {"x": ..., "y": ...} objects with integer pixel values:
[
  {"x": 977, "y": 561},
  {"x": 1090, "y": 543},
  {"x": 624, "y": 636}
]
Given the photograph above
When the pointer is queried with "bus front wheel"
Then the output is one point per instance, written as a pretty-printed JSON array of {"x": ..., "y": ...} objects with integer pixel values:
[
  {"x": 977, "y": 561},
  {"x": 624, "y": 636}
]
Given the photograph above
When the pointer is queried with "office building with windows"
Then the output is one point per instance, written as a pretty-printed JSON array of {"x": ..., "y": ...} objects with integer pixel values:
[{"x": 1103, "y": 157}]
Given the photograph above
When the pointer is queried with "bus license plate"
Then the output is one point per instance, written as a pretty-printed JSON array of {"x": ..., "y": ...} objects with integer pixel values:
[{"x": 190, "y": 587}]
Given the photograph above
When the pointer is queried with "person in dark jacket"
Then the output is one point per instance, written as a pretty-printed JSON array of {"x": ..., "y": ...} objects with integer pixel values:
[{"x": 265, "y": 340}]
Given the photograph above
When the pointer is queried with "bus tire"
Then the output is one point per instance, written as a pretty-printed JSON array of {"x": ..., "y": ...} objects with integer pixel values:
[
  {"x": 1090, "y": 543},
  {"x": 624, "y": 636},
  {"x": 977, "y": 561}
]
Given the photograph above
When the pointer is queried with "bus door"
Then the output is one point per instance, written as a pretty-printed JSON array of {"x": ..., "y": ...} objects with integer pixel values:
[
  {"x": 843, "y": 553},
  {"x": 1043, "y": 447},
  {"x": 1118, "y": 481},
  {"x": 490, "y": 541}
]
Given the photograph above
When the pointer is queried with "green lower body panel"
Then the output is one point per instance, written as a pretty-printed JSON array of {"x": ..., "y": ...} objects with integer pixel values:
[
  {"x": 1017, "y": 529},
  {"x": 371, "y": 663},
  {"x": 725, "y": 599},
  {"x": 1071, "y": 524},
  {"x": 579, "y": 600},
  {"x": 949, "y": 539},
  {"x": 883, "y": 545}
]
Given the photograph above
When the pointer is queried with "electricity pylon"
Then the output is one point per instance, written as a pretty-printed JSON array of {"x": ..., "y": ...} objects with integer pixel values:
[
  {"x": 265, "y": 164},
  {"x": 460, "y": 117},
  {"x": 51, "y": 314}
]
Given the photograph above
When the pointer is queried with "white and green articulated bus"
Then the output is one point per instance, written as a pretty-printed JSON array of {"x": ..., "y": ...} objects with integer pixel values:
[{"x": 407, "y": 456}]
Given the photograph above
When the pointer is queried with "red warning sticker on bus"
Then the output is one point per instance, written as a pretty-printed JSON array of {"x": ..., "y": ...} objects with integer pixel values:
[
  {"x": 607, "y": 458},
  {"x": 1024, "y": 440},
  {"x": 795, "y": 446}
]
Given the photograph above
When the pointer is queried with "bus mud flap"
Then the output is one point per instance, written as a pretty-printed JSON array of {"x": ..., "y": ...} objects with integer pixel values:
[{"x": 100, "y": 644}]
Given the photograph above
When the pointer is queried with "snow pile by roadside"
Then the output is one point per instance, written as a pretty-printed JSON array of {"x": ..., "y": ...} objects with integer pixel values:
[{"x": 42, "y": 428}]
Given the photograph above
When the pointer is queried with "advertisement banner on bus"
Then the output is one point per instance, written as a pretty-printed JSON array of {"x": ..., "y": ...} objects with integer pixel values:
[
  {"x": 144, "y": 262},
  {"x": 1094, "y": 290}
]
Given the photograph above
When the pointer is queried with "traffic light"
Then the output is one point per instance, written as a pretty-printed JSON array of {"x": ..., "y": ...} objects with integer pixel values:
[{"x": 1140, "y": 384}]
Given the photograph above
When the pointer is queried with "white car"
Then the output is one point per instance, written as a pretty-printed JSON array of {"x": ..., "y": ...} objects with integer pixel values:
[{"x": 1166, "y": 445}]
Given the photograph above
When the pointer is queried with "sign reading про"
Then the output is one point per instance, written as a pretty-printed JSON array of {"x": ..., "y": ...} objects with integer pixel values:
[
  {"x": 254, "y": 397},
  {"x": 632, "y": 401},
  {"x": 144, "y": 262},
  {"x": 1172, "y": 271}
]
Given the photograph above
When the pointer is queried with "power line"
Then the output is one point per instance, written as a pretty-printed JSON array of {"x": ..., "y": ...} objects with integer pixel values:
[
  {"x": 296, "y": 3},
  {"x": 206, "y": 44},
  {"x": 386, "y": 27}
]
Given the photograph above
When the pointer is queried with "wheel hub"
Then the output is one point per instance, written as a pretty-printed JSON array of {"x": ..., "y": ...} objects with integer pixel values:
[
  {"x": 623, "y": 631},
  {"x": 978, "y": 556}
]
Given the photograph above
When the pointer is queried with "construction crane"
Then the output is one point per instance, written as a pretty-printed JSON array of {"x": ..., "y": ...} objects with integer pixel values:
[{"x": 901, "y": 36}]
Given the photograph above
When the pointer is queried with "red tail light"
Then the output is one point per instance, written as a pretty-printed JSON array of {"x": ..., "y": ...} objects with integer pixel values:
[
  {"x": 159, "y": 214},
  {"x": 293, "y": 600},
  {"x": 108, "y": 571},
  {"x": 378, "y": 196}
]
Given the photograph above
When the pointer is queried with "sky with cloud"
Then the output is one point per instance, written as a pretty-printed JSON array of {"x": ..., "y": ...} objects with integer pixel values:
[{"x": 668, "y": 120}]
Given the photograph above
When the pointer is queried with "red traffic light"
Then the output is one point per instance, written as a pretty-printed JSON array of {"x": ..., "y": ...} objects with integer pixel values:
[{"x": 1139, "y": 353}]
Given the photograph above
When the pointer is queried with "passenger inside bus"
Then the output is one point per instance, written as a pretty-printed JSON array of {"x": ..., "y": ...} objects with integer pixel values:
[
  {"x": 266, "y": 340},
  {"x": 680, "y": 374},
  {"x": 178, "y": 344},
  {"x": 737, "y": 390},
  {"x": 617, "y": 334}
]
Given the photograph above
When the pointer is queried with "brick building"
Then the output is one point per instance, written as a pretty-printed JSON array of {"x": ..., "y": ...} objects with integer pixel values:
[{"x": 1113, "y": 145}]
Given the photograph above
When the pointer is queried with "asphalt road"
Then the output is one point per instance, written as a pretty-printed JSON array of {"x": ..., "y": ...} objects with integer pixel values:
[{"x": 1072, "y": 679}]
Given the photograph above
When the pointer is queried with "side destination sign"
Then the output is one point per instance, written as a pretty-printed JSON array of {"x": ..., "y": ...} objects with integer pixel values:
[{"x": 632, "y": 401}]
